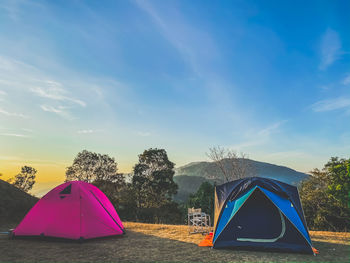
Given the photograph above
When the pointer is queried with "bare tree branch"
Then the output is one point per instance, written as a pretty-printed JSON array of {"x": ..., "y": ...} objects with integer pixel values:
[{"x": 232, "y": 165}]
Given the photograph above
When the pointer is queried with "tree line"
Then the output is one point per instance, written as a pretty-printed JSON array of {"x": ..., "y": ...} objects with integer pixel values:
[{"x": 148, "y": 195}]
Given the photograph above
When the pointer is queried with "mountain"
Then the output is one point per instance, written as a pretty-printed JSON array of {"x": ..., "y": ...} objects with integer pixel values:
[
  {"x": 190, "y": 176},
  {"x": 14, "y": 203}
]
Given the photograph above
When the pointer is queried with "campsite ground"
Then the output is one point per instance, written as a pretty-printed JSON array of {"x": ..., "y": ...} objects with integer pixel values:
[{"x": 162, "y": 243}]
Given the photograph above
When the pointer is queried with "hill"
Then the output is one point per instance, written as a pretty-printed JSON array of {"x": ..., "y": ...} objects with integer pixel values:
[
  {"x": 187, "y": 185},
  {"x": 189, "y": 177},
  {"x": 14, "y": 203}
]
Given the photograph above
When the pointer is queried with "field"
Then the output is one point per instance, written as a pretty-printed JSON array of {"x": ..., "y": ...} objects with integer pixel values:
[{"x": 161, "y": 243}]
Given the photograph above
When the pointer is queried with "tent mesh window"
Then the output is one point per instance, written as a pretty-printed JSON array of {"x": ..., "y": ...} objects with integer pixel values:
[{"x": 66, "y": 190}]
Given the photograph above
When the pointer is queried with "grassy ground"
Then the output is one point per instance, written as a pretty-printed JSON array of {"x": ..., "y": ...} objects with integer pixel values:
[{"x": 162, "y": 243}]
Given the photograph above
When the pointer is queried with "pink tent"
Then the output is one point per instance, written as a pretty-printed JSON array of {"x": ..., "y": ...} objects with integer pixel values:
[{"x": 73, "y": 210}]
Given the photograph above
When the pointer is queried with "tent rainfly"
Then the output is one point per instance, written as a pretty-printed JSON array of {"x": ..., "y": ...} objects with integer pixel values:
[
  {"x": 260, "y": 213},
  {"x": 73, "y": 210}
]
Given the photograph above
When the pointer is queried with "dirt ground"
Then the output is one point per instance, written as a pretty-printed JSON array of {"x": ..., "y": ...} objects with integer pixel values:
[{"x": 161, "y": 243}]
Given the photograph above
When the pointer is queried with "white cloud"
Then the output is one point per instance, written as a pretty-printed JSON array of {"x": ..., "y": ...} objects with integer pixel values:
[
  {"x": 331, "y": 104},
  {"x": 54, "y": 91},
  {"x": 330, "y": 48},
  {"x": 199, "y": 51},
  {"x": 89, "y": 131},
  {"x": 258, "y": 137},
  {"x": 270, "y": 129},
  {"x": 14, "y": 135},
  {"x": 59, "y": 110},
  {"x": 12, "y": 114},
  {"x": 192, "y": 44},
  {"x": 17, "y": 77}
]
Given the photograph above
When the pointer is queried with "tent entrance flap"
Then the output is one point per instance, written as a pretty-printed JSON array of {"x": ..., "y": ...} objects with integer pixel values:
[
  {"x": 257, "y": 219},
  {"x": 265, "y": 240}
]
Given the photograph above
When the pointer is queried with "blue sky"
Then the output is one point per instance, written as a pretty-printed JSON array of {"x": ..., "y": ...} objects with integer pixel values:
[{"x": 269, "y": 78}]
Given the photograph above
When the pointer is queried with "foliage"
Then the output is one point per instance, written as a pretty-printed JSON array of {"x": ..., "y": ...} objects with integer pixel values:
[
  {"x": 325, "y": 196},
  {"x": 113, "y": 187},
  {"x": 127, "y": 203},
  {"x": 25, "y": 179},
  {"x": 100, "y": 170},
  {"x": 203, "y": 198},
  {"x": 90, "y": 167},
  {"x": 153, "y": 185},
  {"x": 168, "y": 213},
  {"x": 153, "y": 179}
]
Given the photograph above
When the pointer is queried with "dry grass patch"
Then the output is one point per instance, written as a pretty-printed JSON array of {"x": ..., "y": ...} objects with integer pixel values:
[
  {"x": 180, "y": 233},
  {"x": 332, "y": 237},
  {"x": 172, "y": 232},
  {"x": 160, "y": 243}
]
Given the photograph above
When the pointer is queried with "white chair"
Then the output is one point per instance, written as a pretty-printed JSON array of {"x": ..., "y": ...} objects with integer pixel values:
[{"x": 198, "y": 221}]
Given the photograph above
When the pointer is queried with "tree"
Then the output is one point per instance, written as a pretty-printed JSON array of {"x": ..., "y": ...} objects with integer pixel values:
[
  {"x": 93, "y": 167},
  {"x": 325, "y": 196},
  {"x": 25, "y": 179},
  {"x": 153, "y": 179},
  {"x": 113, "y": 187},
  {"x": 126, "y": 203},
  {"x": 339, "y": 180},
  {"x": 100, "y": 170},
  {"x": 203, "y": 198},
  {"x": 232, "y": 165}
]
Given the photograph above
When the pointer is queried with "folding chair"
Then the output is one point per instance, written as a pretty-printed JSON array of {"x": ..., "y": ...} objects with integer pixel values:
[{"x": 198, "y": 221}]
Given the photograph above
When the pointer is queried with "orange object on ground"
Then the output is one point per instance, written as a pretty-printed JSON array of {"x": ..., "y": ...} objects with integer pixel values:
[
  {"x": 315, "y": 250},
  {"x": 207, "y": 241}
]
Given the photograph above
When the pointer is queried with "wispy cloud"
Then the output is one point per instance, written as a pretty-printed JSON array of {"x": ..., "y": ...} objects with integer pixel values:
[
  {"x": 192, "y": 44},
  {"x": 59, "y": 110},
  {"x": 12, "y": 114},
  {"x": 14, "y": 135},
  {"x": 54, "y": 91},
  {"x": 89, "y": 131},
  {"x": 271, "y": 129},
  {"x": 259, "y": 137},
  {"x": 199, "y": 51},
  {"x": 26, "y": 79},
  {"x": 331, "y": 104},
  {"x": 330, "y": 49}
]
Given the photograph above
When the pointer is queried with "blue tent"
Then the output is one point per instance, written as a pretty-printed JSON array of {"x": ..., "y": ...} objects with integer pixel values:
[{"x": 260, "y": 213}]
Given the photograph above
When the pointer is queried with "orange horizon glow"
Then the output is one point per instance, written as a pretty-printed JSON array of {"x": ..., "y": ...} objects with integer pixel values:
[{"x": 48, "y": 175}]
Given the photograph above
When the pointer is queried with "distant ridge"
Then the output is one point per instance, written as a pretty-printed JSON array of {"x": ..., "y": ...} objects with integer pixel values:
[
  {"x": 190, "y": 176},
  {"x": 14, "y": 203}
]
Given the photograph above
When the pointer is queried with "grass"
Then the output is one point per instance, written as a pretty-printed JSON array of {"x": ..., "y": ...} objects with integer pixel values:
[{"x": 162, "y": 243}]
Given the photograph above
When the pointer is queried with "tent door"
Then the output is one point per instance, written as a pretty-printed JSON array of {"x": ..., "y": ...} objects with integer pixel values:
[
  {"x": 257, "y": 220},
  {"x": 265, "y": 240}
]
